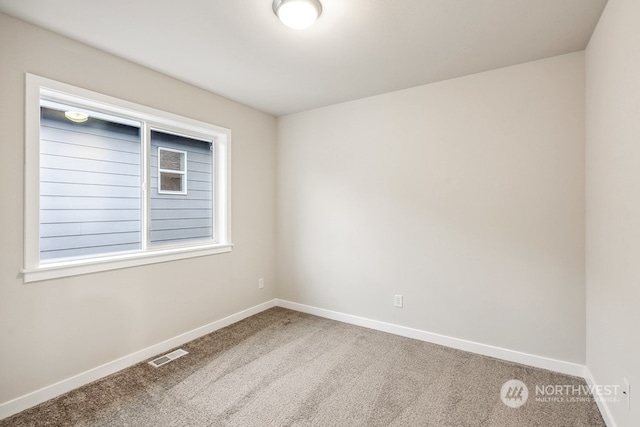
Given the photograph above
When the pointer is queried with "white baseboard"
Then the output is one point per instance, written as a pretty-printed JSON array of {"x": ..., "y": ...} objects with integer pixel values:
[
  {"x": 560, "y": 366},
  {"x": 602, "y": 404},
  {"x": 34, "y": 398}
]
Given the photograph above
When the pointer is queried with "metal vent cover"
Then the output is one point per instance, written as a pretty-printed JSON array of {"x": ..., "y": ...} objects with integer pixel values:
[{"x": 162, "y": 360}]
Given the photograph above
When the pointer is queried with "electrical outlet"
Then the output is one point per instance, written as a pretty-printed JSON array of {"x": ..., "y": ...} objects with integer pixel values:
[
  {"x": 261, "y": 283},
  {"x": 397, "y": 301},
  {"x": 626, "y": 391}
]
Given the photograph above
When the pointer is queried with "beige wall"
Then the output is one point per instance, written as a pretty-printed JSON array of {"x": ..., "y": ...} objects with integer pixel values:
[
  {"x": 466, "y": 196},
  {"x": 50, "y": 331},
  {"x": 613, "y": 203}
]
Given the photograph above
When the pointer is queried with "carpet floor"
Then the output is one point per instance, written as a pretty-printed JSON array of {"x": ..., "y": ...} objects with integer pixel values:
[{"x": 285, "y": 368}]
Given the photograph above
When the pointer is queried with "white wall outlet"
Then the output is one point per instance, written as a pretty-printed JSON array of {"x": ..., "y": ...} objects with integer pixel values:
[
  {"x": 626, "y": 392},
  {"x": 261, "y": 283},
  {"x": 397, "y": 301}
]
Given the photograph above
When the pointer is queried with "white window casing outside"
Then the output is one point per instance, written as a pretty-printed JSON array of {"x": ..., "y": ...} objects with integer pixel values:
[{"x": 158, "y": 231}]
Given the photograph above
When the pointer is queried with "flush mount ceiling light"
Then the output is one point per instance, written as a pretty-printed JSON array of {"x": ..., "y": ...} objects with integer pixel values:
[
  {"x": 297, "y": 14},
  {"x": 76, "y": 116}
]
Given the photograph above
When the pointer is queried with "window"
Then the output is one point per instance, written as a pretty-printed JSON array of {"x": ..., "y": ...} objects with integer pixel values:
[
  {"x": 172, "y": 170},
  {"x": 112, "y": 184}
]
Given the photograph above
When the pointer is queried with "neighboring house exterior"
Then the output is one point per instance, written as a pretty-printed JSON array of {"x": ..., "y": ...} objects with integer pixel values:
[{"x": 91, "y": 179}]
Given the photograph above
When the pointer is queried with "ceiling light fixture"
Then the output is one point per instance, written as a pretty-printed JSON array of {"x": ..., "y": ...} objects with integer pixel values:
[
  {"x": 76, "y": 116},
  {"x": 297, "y": 14}
]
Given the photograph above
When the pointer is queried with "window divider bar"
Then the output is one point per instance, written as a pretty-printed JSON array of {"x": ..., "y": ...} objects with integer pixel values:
[{"x": 146, "y": 185}]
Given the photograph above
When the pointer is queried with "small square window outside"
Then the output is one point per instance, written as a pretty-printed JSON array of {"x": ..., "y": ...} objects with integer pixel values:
[{"x": 172, "y": 171}]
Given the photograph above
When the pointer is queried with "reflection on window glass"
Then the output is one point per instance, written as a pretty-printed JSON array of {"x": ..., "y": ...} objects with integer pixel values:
[{"x": 90, "y": 194}]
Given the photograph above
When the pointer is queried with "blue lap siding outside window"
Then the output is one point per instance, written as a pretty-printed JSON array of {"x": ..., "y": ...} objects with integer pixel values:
[
  {"x": 90, "y": 187},
  {"x": 179, "y": 218}
]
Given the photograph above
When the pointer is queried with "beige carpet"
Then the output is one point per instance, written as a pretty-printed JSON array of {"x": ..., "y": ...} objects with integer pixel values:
[{"x": 282, "y": 368}]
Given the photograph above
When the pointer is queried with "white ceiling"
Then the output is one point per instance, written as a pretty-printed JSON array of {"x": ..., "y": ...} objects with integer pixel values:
[{"x": 358, "y": 48}]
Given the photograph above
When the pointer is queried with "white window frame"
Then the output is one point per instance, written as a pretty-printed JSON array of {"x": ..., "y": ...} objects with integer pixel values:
[
  {"x": 183, "y": 173},
  {"x": 39, "y": 87}
]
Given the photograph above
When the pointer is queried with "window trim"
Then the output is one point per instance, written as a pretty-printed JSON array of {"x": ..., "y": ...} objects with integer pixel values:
[
  {"x": 37, "y": 87},
  {"x": 182, "y": 173}
]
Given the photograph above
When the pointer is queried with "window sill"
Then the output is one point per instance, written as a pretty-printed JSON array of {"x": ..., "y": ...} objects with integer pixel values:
[{"x": 94, "y": 265}]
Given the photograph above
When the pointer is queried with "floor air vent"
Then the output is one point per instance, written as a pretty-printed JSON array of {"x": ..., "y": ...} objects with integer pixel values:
[{"x": 156, "y": 363}]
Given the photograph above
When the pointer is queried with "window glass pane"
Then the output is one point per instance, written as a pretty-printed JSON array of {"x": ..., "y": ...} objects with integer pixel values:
[
  {"x": 171, "y": 182},
  {"x": 90, "y": 191},
  {"x": 172, "y": 160},
  {"x": 181, "y": 218}
]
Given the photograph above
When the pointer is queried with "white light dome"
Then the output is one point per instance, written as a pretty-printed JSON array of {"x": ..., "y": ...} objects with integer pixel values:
[{"x": 297, "y": 14}]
